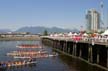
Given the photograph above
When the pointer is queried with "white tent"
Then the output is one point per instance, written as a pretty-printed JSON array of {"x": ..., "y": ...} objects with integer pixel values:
[
  {"x": 51, "y": 35},
  {"x": 55, "y": 35},
  {"x": 75, "y": 34},
  {"x": 105, "y": 33},
  {"x": 70, "y": 34},
  {"x": 85, "y": 34},
  {"x": 60, "y": 34}
]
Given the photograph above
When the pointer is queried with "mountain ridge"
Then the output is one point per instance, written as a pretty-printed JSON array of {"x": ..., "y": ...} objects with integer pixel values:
[{"x": 40, "y": 29}]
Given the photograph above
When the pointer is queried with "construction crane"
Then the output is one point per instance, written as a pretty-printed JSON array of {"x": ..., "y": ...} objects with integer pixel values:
[{"x": 102, "y": 15}]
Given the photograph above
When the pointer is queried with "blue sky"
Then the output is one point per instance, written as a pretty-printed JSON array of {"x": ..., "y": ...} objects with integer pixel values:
[{"x": 60, "y": 13}]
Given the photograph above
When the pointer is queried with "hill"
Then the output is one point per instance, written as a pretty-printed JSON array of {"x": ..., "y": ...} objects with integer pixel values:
[{"x": 36, "y": 30}]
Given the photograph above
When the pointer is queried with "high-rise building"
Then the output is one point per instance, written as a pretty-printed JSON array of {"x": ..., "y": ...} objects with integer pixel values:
[{"x": 93, "y": 20}]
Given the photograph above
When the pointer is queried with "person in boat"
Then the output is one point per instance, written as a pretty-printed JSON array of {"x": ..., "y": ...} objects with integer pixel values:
[
  {"x": 16, "y": 62},
  {"x": 30, "y": 60},
  {"x": 2, "y": 64},
  {"x": 24, "y": 62}
]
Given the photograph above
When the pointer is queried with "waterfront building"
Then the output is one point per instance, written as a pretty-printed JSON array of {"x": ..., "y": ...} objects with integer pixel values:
[{"x": 93, "y": 20}]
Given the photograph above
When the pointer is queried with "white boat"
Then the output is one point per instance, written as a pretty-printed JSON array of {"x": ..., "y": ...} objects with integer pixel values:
[
  {"x": 28, "y": 46},
  {"x": 22, "y": 64},
  {"x": 38, "y": 56},
  {"x": 33, "y": 62},
  {"x": 19, "y": 53}
]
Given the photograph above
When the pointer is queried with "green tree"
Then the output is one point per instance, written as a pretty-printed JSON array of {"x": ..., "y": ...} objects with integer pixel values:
[
  {"x": 45, "y": 32},
  {"x": 101, "y": 32}
]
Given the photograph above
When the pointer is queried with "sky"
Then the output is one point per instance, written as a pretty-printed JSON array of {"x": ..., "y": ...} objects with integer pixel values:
[{"x": 68, "y": 14}]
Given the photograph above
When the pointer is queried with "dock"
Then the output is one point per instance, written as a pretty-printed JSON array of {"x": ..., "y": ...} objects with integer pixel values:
[{"x": 91, "y": 52}]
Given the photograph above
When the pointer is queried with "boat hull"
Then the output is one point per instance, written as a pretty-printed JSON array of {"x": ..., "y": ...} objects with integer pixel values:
[{"x": 15, "y": 65}]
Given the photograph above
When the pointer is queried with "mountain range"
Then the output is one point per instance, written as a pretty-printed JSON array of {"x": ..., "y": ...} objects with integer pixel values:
[
  {"x": 5, "y": 30},
  {"x": 38, "y": 29}
]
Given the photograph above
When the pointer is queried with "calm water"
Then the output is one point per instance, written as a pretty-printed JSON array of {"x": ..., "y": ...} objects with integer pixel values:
[{"x": 59, "y": 63}]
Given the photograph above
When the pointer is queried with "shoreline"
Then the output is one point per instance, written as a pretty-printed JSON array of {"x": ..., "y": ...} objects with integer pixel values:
[{"x": 19, "y": 38}]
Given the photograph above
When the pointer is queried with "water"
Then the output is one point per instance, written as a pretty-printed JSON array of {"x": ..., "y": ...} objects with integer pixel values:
[{"x": 59, "y": 63}]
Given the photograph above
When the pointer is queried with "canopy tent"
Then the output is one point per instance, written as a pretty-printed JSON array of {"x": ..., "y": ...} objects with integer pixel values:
[
  {"x": 85, "y": 34},
  {"x": 75, "y": 34},
  {"x": 60, "y": 34},
  {"x": 70, "y": 34},
  {"x": 105, "y": 33},
  {"x": 55, "y": 35},
  {"x": 51, "y": 35}
]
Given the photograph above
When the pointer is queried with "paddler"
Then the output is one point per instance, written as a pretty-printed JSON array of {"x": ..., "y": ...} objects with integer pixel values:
[
  {"x": 8, "y": 64},
  {"x": 30, "y": 60},
  {"x": 2, "y": 64}
]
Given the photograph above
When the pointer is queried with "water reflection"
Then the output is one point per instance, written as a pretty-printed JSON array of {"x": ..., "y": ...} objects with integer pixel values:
[{"x": 75, "y": 64}]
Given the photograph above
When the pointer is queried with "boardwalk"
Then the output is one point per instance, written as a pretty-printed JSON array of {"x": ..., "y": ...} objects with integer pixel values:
[{"x": 87, "y": 40}]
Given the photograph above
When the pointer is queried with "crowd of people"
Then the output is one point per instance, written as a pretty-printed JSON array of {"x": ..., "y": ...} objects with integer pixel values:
[{"x": 95, "y": 37}]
